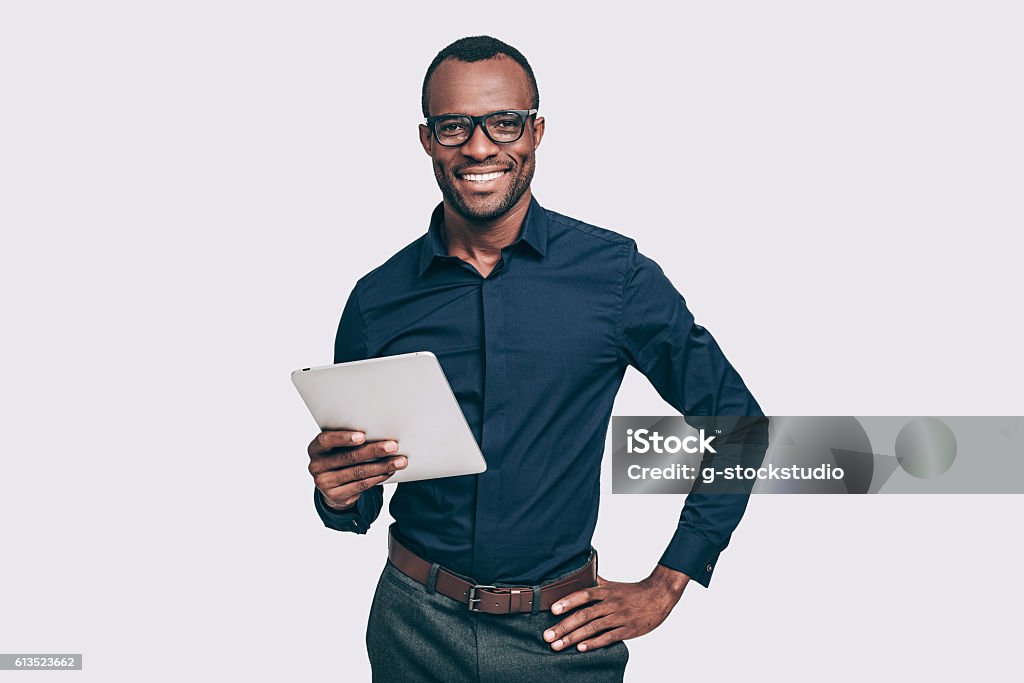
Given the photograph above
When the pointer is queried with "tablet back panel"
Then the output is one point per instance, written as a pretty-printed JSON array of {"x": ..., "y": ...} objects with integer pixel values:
[{"x": 406, "y": 398}]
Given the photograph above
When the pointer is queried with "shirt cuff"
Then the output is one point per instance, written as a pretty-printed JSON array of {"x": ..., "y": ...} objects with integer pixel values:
[
  {"x": 348, "y": 520},
  {"x": 692, "y": 555}
]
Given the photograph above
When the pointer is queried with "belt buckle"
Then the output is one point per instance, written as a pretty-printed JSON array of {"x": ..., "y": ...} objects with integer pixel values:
[{"x": 473, "y": 598}]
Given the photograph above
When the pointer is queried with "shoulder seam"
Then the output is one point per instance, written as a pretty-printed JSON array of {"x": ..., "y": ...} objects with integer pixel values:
[
  {"x": 587, "y": 229},
  {"x": 621, "y": 332}
]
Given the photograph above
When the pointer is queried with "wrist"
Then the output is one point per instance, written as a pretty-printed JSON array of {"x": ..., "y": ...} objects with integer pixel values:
[
  {"x": 331, "y": 508},
  {"x": 669, "y": 580}
]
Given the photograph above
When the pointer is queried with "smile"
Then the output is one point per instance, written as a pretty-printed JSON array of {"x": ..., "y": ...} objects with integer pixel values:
[{"x": 482, "y": 177}]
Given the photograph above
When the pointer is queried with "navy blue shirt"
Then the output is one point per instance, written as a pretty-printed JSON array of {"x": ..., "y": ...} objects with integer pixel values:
[{"x": 535, "y": 353}]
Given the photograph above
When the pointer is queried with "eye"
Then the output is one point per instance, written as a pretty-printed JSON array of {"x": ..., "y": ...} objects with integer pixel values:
[{"x": 451, "y": 127}]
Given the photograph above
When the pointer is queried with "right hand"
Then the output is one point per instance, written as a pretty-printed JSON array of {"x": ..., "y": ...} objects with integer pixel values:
[{"x": 338, "y": 463}]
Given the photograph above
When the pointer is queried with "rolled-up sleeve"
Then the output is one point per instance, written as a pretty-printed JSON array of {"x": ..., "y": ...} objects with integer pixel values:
[{"x": 683, "y": 362}]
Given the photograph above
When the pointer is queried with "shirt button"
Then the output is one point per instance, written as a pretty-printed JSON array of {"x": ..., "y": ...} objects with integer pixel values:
[
  {"x": 355, "y": 523},
  {"x": 710, "y": 567}
]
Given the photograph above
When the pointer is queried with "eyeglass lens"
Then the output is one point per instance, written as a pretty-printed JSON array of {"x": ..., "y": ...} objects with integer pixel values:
[{"x": 500, "y": 127}]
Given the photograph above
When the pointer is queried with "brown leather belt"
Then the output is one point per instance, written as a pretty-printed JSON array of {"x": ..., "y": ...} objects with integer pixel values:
[{"x": 490, "y": 599}]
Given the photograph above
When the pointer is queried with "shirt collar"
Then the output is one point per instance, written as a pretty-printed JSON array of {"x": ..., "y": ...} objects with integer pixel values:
[{"x": 534, "y": 233}]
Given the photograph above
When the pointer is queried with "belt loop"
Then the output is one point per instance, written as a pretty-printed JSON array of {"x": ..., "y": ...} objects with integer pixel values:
[
  {"x": 432, "y": 577},
  {"x": 536, "y": 600}
]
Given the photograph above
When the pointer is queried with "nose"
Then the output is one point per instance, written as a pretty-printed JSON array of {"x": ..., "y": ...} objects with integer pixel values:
[{"x": 479, "y": 147}]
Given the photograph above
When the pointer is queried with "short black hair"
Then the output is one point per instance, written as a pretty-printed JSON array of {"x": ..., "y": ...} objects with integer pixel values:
[{"x": 477, "y": 49}]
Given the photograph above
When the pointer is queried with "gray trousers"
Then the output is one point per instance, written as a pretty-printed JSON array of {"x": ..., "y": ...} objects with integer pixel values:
[{"x": 416, "y": 635}]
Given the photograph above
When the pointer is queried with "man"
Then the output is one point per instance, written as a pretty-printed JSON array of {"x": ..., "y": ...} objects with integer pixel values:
[{"x": 534, "y": 318}]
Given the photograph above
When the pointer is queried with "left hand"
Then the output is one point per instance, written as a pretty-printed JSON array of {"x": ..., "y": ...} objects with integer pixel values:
[{"x": 619, "y": 611}]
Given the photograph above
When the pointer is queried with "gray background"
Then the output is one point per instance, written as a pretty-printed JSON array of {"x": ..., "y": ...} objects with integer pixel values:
[{"x": 190, "y": 189}]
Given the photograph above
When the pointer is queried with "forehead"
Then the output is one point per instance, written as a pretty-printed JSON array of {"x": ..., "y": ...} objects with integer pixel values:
[{"x": 479, "y": 87}]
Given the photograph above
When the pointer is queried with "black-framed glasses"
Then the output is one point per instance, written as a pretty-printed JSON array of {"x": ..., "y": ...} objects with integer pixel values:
[{"x": 502, "y": 127}]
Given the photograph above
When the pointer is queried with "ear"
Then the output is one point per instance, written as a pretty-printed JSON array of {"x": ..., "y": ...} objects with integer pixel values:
[
  {"x": 538, "y": 130},
  {"x": 426, "y": 139}
]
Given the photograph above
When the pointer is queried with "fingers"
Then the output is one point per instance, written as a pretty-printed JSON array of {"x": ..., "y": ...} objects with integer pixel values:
[
  {"x": 329, "y": 479},
  {"x": 347, "y": 495},
  {"x": 577, "y": 619},
  {"x": 605, "y": 639},
  {"x": 588, "y": 632},
  {"x": 608, "y": 613},
  {"x": 346, "y": 457},
  {"x": 329, "y": 440},
  {"x": 342, "y": 487},
  {"x": 576, "y": 599},
  {"x": 343, "y": 465}
]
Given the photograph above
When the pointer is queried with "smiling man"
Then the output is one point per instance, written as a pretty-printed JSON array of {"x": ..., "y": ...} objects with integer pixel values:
[{"x": 534, "y": 317}]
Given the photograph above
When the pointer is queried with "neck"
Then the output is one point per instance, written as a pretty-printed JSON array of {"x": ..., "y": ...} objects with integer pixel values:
[{"x": 481, "y": 241}]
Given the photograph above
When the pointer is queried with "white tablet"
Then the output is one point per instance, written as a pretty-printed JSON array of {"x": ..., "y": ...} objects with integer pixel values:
[{"x": 406, "y": 398}]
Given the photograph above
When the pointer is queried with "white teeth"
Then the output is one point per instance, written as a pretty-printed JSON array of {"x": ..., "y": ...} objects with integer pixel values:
[{"x": 482, "y": 177}]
